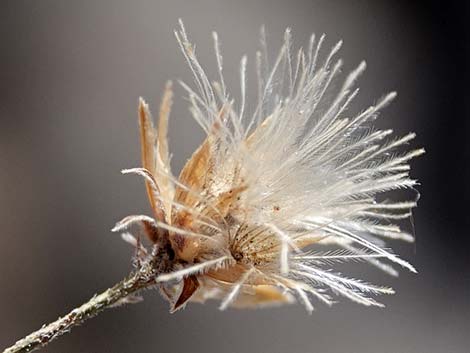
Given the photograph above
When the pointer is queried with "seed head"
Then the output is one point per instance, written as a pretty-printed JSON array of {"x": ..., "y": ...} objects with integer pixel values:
[{"x": 275, "y": 196}]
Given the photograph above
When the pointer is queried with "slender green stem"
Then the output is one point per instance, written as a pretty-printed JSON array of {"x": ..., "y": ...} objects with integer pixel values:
[{"x": 135, "y": 282}]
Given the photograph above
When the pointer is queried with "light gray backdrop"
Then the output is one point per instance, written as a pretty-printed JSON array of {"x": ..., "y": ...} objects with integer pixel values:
[{"x": 70, "y": 77}]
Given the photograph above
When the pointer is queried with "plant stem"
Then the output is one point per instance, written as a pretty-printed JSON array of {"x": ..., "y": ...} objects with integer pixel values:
[{"x": 136, "y": 281}]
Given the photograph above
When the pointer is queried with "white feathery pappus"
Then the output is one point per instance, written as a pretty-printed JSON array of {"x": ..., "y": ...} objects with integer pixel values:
[{"x": 272, "y": 200}]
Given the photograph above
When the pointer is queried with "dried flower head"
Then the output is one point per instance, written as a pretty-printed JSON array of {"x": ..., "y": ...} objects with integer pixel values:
[{"x": 272, "y": 200}]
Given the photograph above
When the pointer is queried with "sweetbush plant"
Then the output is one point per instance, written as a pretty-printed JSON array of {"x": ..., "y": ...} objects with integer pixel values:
[{"x": 275, "y": 196}]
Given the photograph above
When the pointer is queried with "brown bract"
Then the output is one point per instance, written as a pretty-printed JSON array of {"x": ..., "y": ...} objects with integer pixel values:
[{"x": 196, "y": 205}]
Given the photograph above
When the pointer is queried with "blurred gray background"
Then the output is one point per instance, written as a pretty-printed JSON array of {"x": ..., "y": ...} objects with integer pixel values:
[{"x": 70, "y": 77}]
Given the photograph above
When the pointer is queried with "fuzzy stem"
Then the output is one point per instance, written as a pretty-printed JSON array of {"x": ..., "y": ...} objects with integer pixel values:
[{"x": 136, "y": 281}]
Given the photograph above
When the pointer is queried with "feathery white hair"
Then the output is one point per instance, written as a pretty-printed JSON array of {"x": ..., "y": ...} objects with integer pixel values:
[{"x": 308, "y": 175}]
